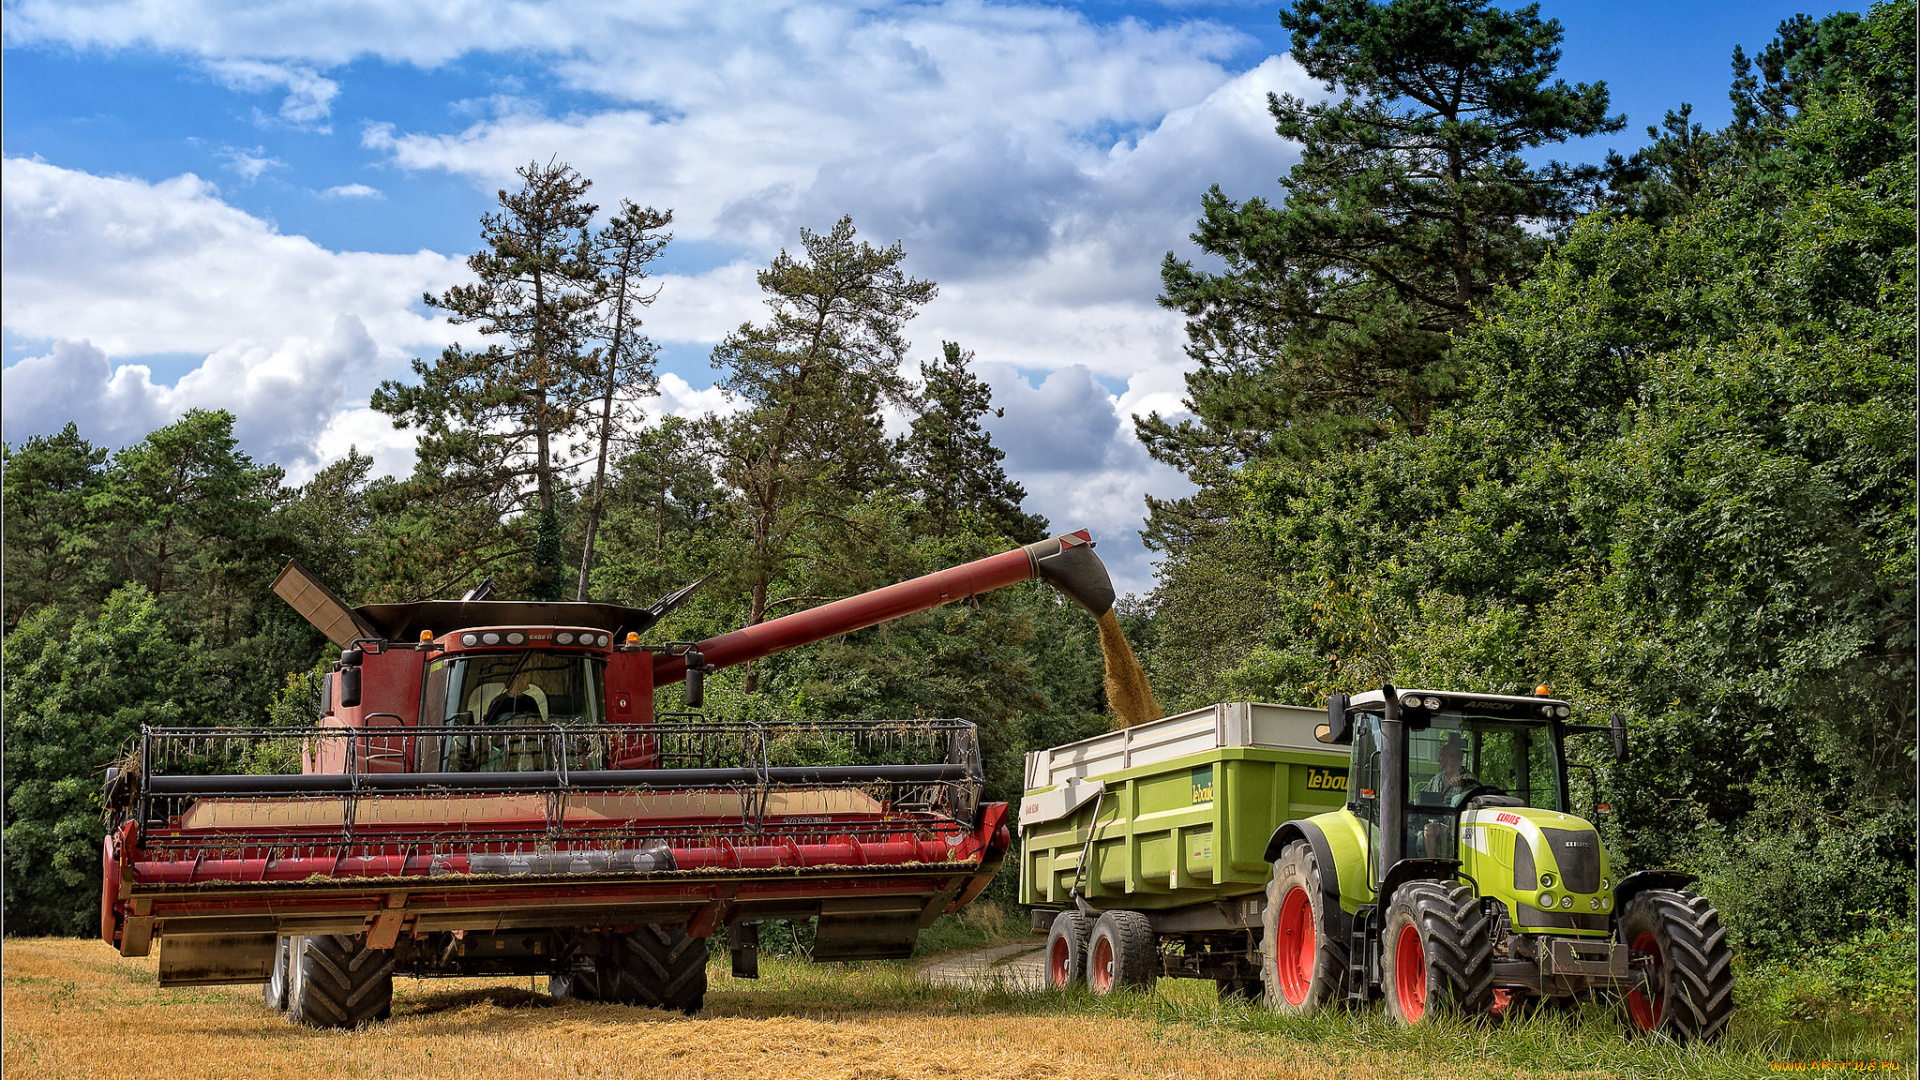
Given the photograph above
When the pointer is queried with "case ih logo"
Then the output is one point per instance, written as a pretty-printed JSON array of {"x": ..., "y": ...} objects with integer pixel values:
[{"x": 1507, "y": 819}]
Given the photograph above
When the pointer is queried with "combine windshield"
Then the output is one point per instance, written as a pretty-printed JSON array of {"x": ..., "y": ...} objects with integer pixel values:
[{"x": 493, "y": 690}]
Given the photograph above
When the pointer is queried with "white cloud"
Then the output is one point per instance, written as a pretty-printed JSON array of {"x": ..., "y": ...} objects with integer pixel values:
[
  {"x": 309, "y": 96},
  {"x": 250, "y": 165},
  {"x": 352, "y": 191}
]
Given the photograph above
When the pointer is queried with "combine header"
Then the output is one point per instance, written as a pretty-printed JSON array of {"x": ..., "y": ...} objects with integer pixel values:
[{"x": 489, "y": 791}]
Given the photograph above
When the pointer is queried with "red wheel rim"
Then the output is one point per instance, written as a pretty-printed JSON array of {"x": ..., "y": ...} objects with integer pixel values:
[
  {"x": 1410, "y": 975},
  {"x": 1293, "y": 952},
  {"x": 1059, "y": 973},
  {"x": 1502, "y": 1001},
  {"x": 1100, "y": 968},
  {"x": 1646, "y": 1011}
]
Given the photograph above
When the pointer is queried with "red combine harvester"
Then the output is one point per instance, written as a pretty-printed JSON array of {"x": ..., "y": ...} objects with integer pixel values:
[{"x": 489, "y": 791}]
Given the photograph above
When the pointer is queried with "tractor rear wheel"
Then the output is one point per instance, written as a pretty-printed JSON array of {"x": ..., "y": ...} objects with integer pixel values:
[
  {"x": 275, "y": 988},
  {"x": 336, "y": 981},
  {"x": 1689, "y": 989},
  {"x": 1436, "y": 952},
  {"x": 1122, "y": 953},
  {"x": 1304, "y": 967},
  {"x": 662, "y": 967},
  {"x": 1067, "y": 949}
]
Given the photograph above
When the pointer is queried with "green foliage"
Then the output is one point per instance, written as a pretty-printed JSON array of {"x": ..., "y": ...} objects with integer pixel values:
[
  {"x": 76, "y": 693},
  {"x": 1862, "y": 981}
]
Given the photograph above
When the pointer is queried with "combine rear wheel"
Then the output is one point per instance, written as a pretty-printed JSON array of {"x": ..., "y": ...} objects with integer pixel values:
[
  {"x": 1436, "y": 952},
  {"x": 1122, "y": 953},
  {"x": 661, "y": 967},
  {"x": 275, "y": 988},
  {"x": 1304, "y": 967},
  {"x": 335, "y": 981},
  {"x": 1067, "y": 949},
  {"x": 1689, "y": 990}
]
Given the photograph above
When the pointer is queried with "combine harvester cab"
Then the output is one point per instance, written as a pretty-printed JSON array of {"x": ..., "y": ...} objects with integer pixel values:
[{"x": 489, "y": 791}]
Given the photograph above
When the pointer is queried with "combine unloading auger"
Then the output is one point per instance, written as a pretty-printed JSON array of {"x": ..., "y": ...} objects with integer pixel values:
[{"x": 490, "y": 791}]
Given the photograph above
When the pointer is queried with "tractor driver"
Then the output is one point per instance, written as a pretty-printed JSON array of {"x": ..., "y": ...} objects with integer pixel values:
[{"x": 1446, "y": 788}]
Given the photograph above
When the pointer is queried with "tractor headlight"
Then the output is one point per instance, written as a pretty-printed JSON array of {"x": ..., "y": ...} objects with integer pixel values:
[
  {"x": 1566, "y": 902},
  {"x": 1546, "y": 901},
  {"x": 1410, "y": 702},
  {"x": 1606, "y": 885},
  {"x": 1433, "y": 703},
  {"x": 1562, "y": 711},
  {"x": 1594, "y": 904},
  {"x": 1546, "y": 881}
]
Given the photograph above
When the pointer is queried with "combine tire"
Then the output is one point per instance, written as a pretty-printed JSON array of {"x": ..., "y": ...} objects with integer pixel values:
[
  {"x": 335, "y": 981},
  {"x": 660, "y": 967},
  {"x": 1436, "y": 953},
  {"x": 1122, "y": 953},
  {"x": 1689, "y": 991},
  {"x": 1067, "y": 949},
  {"x": 1304, "y": 968},
  {"x": 275, "y": 988}
]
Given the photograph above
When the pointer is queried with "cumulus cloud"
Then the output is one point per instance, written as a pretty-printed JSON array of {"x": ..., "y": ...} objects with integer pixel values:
[
  {"x": 249, "y": 165},
  {"x": 352, "y": 191},
  {"x": 309, "y": 96}
]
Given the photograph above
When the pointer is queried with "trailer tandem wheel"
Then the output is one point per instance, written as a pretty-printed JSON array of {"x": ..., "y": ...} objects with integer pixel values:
[
  {"x": 1067, "y": 949},
  {"x": 1122, "y": 953},
  {"x": 336, "y": 981}
]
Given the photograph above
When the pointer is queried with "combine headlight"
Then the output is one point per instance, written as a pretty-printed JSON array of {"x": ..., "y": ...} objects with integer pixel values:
[
  {"x": 469, "y": 640},
  {"x": 516, "y": 637},
  {"x": 563, "y": 638},
  {"x": 490, "y": 638}
]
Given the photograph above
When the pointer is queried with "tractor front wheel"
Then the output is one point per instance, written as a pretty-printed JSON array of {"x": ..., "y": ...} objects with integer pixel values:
[
  {"x": 1304, "y": 967},
  {"x": 1688, "y": 993},
  {"x": 1122, "y": 953},
  {"x": 1067, "y": 949},
  {"x": 1436, "y": 953}
]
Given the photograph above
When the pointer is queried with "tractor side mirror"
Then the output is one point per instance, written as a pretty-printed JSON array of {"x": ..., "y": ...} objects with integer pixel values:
[
  {"x": 1339, "y": 727},
  {"x": 696, "y": 679},
  {"x": 350, "y": 677},
  {"x": 1619, "y": 737}
]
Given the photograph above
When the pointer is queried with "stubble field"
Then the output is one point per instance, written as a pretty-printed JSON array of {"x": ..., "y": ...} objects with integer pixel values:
[{"x": 74, "y": 1008}]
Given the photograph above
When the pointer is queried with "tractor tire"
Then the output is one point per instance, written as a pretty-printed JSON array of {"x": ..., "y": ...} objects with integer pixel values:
[
  {"x": 1691, "y": 975},
  {"x": 1122, "y": 953},
  {"x": 1436, "y": 953},
  {"x": 660, "y": 967},
  {"x": 1067, "y": 950},
  {"x": 336, "y": 981},
  {"x": 275, "y": 988},
  {"x": 1304, "y": 968}
]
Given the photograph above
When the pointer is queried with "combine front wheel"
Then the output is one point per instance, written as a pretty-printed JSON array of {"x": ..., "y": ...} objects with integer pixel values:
[
  {"x": 336, "y": 981},
  {"x": 1067, "y": 949},
  {"x": 1689, "y": 988},
  {"x": 1304, "y": 968},
  {"x": 275, "y": 988},
  {"x": 1121, "y": 953},
  {"x": 1436, "y": 953},
  {"x": 662, "y": 967}
]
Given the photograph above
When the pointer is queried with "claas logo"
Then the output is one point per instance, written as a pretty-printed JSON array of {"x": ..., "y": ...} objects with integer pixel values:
[{"x": 1326, "y": 780}]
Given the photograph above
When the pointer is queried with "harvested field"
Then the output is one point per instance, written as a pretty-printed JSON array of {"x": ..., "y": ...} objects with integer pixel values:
[{"x": 74, "y": 1008}]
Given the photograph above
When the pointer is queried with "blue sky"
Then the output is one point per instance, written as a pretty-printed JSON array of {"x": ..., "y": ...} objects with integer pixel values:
[{"x": 238, "y": 205}]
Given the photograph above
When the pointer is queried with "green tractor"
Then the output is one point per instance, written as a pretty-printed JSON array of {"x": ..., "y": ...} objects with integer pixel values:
[{"x": 1455, "y": 877}]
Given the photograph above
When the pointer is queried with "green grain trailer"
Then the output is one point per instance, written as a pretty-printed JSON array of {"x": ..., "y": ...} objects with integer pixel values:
[{"x": 1165, "y": 826}]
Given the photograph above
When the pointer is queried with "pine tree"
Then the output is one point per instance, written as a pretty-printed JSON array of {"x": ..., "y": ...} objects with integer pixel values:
[
  {"x": 1329, "y": 326},
  {"x": 953, "y": 460},
  {"x": 497, "y": 421}
]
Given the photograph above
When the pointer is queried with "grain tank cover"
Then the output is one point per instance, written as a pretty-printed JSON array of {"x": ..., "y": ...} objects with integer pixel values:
[{"x": 403, "y": 622}]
